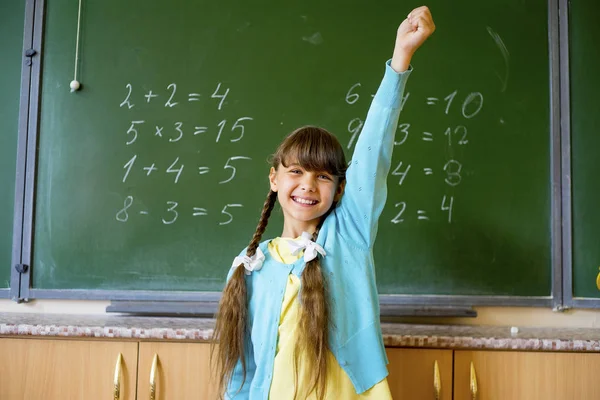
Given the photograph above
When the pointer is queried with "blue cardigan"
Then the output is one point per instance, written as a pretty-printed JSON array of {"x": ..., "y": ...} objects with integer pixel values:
[{"x": 347, "y": 235}]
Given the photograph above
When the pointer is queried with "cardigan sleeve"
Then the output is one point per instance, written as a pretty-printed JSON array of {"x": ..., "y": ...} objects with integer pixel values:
[{"x": 366, "y": 179}]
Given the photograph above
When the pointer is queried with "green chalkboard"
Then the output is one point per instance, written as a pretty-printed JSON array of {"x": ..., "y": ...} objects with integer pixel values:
[
  {"x": 12, "y": 17},
  {"x": 584, "y": 64},
  {"x": 126, "y": 205}
]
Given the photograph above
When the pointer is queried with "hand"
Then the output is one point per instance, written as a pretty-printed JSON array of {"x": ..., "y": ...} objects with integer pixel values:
[{"x": 412, "y": 32}]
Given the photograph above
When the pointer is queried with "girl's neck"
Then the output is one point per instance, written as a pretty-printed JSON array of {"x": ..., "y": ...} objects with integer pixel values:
[{"x": 295, "y": 230}]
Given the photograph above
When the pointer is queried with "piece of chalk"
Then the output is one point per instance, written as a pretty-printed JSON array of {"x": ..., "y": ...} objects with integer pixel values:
[
  {"x": 74, "y": 85},
  {"x": 514, "y": 330}
]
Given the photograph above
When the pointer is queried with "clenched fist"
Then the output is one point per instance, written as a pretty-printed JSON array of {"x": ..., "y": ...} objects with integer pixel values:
[{"x": 412, "y": 32}]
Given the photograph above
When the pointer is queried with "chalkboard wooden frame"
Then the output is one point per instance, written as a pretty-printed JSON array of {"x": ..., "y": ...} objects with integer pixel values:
[
  {"x": 560, "y": 208},
  {"x": 569, "y": 301},
  {"x": 29, "y": 75}
]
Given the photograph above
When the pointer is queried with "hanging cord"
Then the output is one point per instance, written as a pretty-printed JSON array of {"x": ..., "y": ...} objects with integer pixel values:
[{"x": 75, "y": 85}]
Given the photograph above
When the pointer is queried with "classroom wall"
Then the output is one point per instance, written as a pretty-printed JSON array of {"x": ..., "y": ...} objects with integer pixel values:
[{"x": 498, "y": 316}]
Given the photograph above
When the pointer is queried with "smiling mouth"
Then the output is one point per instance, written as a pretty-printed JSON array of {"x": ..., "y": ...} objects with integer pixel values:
[{"x": 304, "y": 202}]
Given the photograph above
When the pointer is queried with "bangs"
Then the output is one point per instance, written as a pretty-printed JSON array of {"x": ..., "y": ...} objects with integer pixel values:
[{"x": 314, "y": 149}]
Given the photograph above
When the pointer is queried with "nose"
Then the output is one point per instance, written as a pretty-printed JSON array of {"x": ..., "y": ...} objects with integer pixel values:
[{"x": 309, "y": 182}]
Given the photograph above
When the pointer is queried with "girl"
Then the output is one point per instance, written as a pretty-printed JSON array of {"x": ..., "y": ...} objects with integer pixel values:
[{"x": 299, "y": 318}]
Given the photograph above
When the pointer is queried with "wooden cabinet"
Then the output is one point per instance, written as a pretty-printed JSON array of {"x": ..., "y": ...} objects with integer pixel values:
[
  {"x": 527, "y": 375},
  {"x": 181, "y": 371},
  {"x": 66, "y": 369},
  {"x": 412, "y": 373},
  {"x": 85, "y": 369}
]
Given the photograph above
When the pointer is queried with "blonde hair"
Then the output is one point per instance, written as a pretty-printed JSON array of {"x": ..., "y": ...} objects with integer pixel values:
[{"x": 315, "y": 149}]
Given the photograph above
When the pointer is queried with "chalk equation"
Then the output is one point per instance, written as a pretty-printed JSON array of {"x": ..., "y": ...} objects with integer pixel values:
[
  {"x": 176, "y": 168},
  {"x": 173, "y": 134},
  {"x": 172, "y": 211},
  {"x": 173, "y": 99}
]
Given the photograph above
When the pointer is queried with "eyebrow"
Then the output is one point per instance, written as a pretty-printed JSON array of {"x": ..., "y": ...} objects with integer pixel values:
[{"x": 322, "y": 172}]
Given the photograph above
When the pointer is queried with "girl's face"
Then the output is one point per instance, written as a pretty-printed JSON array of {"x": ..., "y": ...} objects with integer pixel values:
[{"x": 304, "y": 196}]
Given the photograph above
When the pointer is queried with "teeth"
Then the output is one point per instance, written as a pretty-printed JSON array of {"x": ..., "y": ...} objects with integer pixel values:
[{"x": 303, "y": 201}]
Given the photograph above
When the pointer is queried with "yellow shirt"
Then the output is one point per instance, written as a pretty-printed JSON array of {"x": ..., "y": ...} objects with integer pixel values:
[{"x": 339, "y": 386}]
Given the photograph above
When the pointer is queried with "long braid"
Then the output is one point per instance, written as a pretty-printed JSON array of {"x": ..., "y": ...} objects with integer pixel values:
[
  {"x": 231, "y": 326},
  {"x": 314, "y": 322},
  {"x": 262, "y": 223}
]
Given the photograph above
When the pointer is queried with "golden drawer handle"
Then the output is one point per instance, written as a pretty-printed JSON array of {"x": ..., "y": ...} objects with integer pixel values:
[
  {"x": 117, "y": 380},
  {"x": 437, "y": 382},
  {"x": 473, "y": 382},
  {"x": 153, "y": 377}
]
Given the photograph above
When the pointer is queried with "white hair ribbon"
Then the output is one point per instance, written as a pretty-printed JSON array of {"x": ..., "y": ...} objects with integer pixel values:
[
  {"x": 305, "y": 243},
  {"x": 253, "y": 263}
]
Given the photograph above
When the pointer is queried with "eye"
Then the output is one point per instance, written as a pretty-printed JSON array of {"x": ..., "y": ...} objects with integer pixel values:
[
  {"x": 295, "y": 171},
  {"x": 326, "y": 177}
]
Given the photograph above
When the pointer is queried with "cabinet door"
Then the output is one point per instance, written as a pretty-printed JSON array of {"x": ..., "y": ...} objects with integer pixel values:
[
  {"x": 66, "y": 369},
  {"x": 182, "y": 371},
  {"x": 412, "y": 373},
  {"x": 527, "y": 375}
]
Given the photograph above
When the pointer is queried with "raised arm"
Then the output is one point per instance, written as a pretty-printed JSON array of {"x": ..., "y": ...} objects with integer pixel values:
[{"x": 366, "y": 190}]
